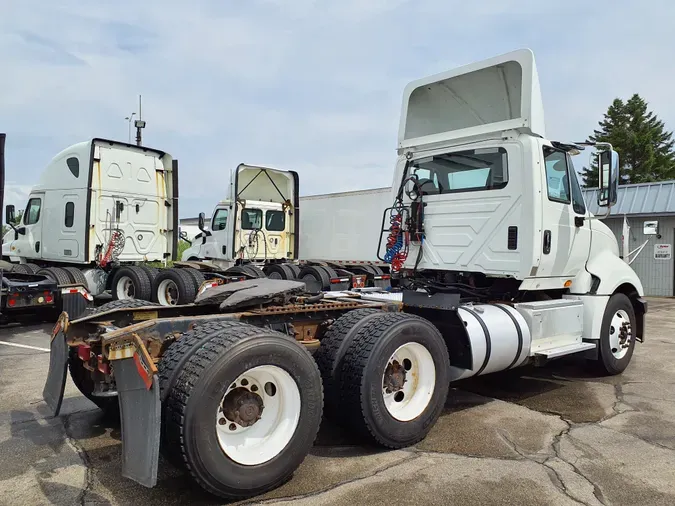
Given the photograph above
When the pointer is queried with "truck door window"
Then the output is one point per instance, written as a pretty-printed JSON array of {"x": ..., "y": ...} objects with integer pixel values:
[
  {"x": 275, "y": 221},
  {"x": 219, "y": 220},
  {"x": 251, "y": 219},
  {"x": 70, "y": 214},
  {"x": 557, "y": 180},
  {"x": 32, "y": 214},
  {"x": 462, "y": 171},
  {"x": 578, "y": 203}
]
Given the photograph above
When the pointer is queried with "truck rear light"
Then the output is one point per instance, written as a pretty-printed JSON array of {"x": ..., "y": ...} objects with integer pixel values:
[
  {"x": 49, "y": 298},
  {"x": 11, "y": 302},
  {"x": 84, "y": 352}
]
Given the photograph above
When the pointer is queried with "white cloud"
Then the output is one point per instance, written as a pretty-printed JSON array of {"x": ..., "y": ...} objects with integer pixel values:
[{"x": 309, "y": 85}]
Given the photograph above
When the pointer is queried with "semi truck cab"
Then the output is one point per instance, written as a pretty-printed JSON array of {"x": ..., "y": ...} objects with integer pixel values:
[{"x": 257, "y": 224}]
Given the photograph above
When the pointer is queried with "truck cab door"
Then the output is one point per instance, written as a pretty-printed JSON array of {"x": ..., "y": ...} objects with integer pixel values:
[
  {"x": 565, "y": 240},
  {"x": 29, "y": 241},
  {"x": 216, "y": 244}
]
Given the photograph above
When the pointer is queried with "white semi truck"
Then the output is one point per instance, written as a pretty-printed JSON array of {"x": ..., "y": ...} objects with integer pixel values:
[
  {"x": 263, "y": 228},
  {"x": 101, "y": 212},
  {"x": 499, "y": 262}
]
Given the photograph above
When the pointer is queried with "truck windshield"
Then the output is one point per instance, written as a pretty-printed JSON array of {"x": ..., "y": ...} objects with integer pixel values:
[{"x": 461, "y": 171}]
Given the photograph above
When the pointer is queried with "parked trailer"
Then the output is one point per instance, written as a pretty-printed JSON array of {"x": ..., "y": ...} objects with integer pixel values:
[{"x": 498, "y": 269}]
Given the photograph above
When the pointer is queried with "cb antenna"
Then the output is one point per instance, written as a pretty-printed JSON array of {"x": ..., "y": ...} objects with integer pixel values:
[{"x": 139, "y": 124}]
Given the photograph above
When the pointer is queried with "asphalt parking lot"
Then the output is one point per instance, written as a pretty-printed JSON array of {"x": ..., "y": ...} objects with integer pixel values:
[{"x": 553, "y": 435}]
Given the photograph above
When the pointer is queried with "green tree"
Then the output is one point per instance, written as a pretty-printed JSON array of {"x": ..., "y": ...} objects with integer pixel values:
[{"x": 645, "y": 147}]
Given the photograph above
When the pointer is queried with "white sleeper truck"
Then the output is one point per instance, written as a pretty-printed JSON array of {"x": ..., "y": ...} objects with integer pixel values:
[
  {"x": 102, "y": 210},
  {"x": 499, "y": 262}
]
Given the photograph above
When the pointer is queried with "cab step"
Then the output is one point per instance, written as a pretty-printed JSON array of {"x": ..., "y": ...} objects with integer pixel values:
[{"x": 561, "y": 351}]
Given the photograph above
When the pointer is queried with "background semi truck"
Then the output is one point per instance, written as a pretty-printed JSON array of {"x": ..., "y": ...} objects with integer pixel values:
[
  {"x": 497, "y": 267},
  {"x": 264, "y": 227},
  {"x": 102, "y": 219}
]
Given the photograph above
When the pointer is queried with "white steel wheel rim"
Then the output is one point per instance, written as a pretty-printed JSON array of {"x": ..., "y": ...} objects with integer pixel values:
[
  {"x": 164, "y": 296},
  {"x": 125, "y": 288},
  {"x": 270, "y": 434},
  {"x": 620, "y": 334},
  {"x": 413, "y": 397}
]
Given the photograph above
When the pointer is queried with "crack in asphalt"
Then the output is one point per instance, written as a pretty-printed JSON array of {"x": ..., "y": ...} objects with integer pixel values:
[
  {"x": 279, "y": 500},
  {"x": 82, "y": 453}
]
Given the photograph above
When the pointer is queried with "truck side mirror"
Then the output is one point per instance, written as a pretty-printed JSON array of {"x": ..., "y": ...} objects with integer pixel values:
[
  {"x": 608, "y": 168},
  {"x": 9, "y": 214},
  {"x": 200, "y": 224}
]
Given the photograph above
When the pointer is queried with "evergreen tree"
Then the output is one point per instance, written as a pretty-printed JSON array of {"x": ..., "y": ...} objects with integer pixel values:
[{"x": 645, "y": 148}]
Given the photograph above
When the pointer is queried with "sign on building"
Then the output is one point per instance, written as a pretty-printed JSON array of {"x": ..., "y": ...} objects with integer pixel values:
[{"x": 662, "y": 251}]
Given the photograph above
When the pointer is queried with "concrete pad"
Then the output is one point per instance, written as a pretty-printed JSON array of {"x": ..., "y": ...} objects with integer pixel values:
[
  {"x": 492, "y": 428},
  {"x": 626, "y": 470},
  {"x": 447, "y": 479}
]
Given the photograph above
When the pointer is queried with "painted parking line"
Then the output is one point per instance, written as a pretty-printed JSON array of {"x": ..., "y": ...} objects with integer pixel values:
[{"x": 24, "y": 346}]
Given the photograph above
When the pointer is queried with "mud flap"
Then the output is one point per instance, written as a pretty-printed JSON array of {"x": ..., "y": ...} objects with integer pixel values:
[
  {"x": 140, "y": 410},
  {"x": 56, "y": 377}
]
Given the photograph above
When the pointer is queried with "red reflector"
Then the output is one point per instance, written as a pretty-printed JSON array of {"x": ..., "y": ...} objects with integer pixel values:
[
  {"x": 386, "y": 276},
  {"x": 11, "y": 302},
  {"x": 104, "y": 367},
  {"x": 84, "y": 352},
  {"x": 72, "y": 290},
  {"x": 335, "y": 281}
]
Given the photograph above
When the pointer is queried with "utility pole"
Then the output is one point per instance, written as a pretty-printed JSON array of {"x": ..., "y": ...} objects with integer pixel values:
[{"x": 139, "y": 123}]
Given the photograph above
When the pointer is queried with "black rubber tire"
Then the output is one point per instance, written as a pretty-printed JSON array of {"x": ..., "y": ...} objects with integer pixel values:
[
  {"x": 319, "y": 273},
  {"x": 607, "y": 364},
  {"x": 139, "y": 278},
  {"x": 376, "y": 270},
  {"x": 239, "y": 270},
  {"x": 185, "y": 284},
  {"x": 57, "y": 274},
  {"x": 295, "y": 269},
  {"x": 193, "y": 400},
  {"x": 152, "y": 272},
  {"x": 254, "y": 271},
  {"x": 196, "y": 275},
  {"x": 33, "y": 267},
  {"x": 330, "y": 355},
  {"x": 118, "y": 304},
  {"x": 170, "y": 366},
  {"x": 85, "y": 384},
  {"x": 24, "y": 269},
  {"x": 361, "y": 399},
  {"x": 76, "y": 276},
  {"x": 278, "y": 271}
]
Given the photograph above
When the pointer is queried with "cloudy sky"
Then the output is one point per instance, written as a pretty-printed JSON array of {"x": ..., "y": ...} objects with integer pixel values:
[{"x": 309, "y": 85}]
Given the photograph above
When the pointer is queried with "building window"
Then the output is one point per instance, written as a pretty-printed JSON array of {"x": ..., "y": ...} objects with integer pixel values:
[{"x": 70, "y": 214}]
